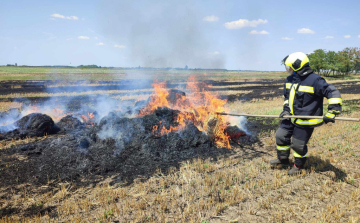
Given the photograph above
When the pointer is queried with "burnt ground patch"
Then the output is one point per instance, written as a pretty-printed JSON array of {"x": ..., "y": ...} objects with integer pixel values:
[
  {"x": 128, "y": 147},
  {"x": 94, "y": 160},
  {"x": 123, "y": 149}
]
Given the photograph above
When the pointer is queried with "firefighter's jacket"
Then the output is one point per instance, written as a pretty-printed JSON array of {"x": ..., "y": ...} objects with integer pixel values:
[{"x": 304, "y": 95}]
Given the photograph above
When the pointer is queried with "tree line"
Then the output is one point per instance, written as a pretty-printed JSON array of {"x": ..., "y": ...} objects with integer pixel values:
[{"x": 331, "y": 63}]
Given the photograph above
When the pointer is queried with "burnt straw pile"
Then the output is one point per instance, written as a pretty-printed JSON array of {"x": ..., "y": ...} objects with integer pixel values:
[{"x": 128, "y": 146}]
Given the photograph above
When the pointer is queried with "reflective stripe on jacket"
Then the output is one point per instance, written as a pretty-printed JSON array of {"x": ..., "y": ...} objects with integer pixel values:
[{"x": 304, "y": 95}]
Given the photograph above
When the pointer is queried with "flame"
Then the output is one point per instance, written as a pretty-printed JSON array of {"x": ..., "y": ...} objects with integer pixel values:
[
  {"x": 87, "y": 118},
  {"x": 199, "y": 107},
  {"x": 91, "y": 115},
  {"x": 56, "y": 114}
]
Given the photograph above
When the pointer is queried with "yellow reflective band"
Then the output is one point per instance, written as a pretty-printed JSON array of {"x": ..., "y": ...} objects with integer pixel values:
[
  {"x": 292, "y": 97},
  {"x": 299, "y": 156},
  {"x": 335, "y": 101},
  {"x": 283, "y": 148},
  {"x": 306, "y": 89},
  {"x": 330, "y": 115},
  {"x": 286, "y": 102},
  {"x": 309, "y": 122},
  {"x": 288, "y": 85}
]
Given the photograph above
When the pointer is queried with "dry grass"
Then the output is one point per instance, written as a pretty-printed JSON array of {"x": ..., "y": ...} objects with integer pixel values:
[
  {"x": 4, "y": 106},
  {"x": 232, "y": 189}
]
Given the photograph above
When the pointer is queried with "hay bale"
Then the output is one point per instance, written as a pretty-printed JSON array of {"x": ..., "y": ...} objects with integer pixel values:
[
  {"x": 36, "y": 124},
  {"x": 69, "y": 123},
  {"x": 234, "y": 132}
]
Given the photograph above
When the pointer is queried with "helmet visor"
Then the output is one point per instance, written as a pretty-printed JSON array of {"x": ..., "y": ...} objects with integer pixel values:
[{"x": 289, "y": 69}]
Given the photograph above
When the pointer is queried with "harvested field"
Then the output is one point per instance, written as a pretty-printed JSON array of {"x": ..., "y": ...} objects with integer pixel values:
[{"x": 141, "y": 163}]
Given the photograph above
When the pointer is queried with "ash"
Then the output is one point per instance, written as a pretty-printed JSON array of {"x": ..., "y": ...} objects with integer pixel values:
[{"x": 126, "y": 146}]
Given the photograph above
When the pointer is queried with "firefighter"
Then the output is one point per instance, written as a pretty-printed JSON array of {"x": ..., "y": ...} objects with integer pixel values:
[{"x": 304, "y": 93}]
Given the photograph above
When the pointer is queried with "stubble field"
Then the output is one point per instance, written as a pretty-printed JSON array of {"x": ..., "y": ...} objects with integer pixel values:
[{"x": 237, "y": 185}]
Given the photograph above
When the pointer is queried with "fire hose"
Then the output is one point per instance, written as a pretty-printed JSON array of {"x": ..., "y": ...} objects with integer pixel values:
[{"x": 292, "y": 116}]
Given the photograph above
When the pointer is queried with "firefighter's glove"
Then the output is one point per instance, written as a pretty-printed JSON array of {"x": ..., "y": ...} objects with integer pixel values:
[
  {"x": 285, "y": 113},
  {"x": 329, "y": 117}
]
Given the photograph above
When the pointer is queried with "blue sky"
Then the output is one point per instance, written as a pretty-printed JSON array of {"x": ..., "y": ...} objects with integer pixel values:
[{"x": 246, "y": 35}]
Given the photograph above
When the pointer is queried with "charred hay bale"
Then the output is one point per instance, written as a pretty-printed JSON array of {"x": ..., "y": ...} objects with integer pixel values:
[
  {"x": 167, "y": 116},
  {"x": 122, "y": 130},
  {"x": 36, "y": 124},
  {"x": 110, "y": 119},
  {"x": 176, "y": 145},
  {"x": 234, "y": 132},
  {"x": 69, "y": 123},
  {"x": 175, "y": 95}
]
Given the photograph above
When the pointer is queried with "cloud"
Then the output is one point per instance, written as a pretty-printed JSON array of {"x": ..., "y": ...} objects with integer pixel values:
[
  {"x": 15, "y": 48},
  {"x": 347, "y": 36},
  {"x": 119, "y": 46},
  {"x": 211, "y": 18},
  {"x": 52, "y": 19},
  {"x": 358, "y": 36},
  {"x": 241, "y": 23},
  {"x": 64, "y": 17},
  {"x": 329, "y": 37},
  {"x": 95, "y": 37},
  {"x": 305, "y": 31},
  {"x": 215, "y": 53},
  {"x": 287, "y": 38},
  {"x": 100, "y": 44},
  {"x": 82, "y": 19},
  {"x": 83, "y": 37},
  {"x": 259, "y": 32}
]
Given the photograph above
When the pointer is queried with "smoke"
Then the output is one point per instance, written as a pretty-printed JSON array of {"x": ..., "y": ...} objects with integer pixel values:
[
  {"x": 240, "y": 122},
  {"x": 159, "y": 33},
  {"x": 100, "y": 105},
  {"x": 7, "y": 120}
]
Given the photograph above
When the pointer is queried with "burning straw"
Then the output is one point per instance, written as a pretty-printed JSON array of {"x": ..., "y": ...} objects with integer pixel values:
[{"x": 199, "y": 106}]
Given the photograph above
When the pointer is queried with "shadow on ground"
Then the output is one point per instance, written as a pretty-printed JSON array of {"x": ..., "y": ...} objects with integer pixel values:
[{"x": 324, "y": 166}]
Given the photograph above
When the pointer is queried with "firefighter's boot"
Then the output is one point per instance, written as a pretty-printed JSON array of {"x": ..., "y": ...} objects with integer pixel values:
[
  {"x": 278, "y": 162},
  {"x": 295, "y": 170}
]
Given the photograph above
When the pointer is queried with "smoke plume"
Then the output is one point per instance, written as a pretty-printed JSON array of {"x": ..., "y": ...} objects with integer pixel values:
[{"x": 159, "y": 33}]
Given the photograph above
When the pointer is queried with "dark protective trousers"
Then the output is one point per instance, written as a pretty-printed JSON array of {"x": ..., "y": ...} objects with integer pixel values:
[{"x": 300, "y": 137}]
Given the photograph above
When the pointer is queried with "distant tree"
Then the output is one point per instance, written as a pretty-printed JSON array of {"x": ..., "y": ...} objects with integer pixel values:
[
  {"x": 319, "y": 62},
  {"x": 88, "y": 66},
  {"x": 327, "y": 63}
]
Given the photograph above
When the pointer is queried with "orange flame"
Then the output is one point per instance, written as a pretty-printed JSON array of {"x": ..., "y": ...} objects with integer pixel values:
[
  {"x": 199, "y": 107},
  {"x": 87, "y": 119},
  {"x": 56, "y": 114},
  {"x": 91, "y": 115}
]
